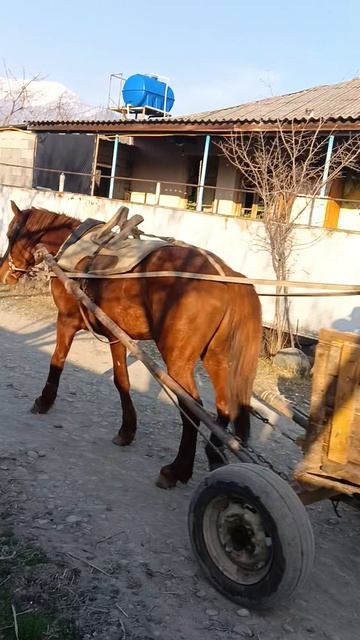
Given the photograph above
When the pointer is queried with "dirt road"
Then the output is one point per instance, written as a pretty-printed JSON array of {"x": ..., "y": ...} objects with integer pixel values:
[{"x": 68, "y": 491}]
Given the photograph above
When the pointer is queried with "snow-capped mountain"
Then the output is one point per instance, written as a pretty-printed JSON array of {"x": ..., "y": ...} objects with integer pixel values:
[{"x": 28, "y": 100}]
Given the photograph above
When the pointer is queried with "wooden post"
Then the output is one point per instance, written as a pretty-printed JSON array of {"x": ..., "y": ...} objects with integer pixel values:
[
  {"x": 333, "y": 204},
  {"x": 254, "y": 207},
  {"x": 157, "y": 193},
  {"x": 113, "y": 167},
  {"x": 94, "y": 163},
  {"x": 344, "y": 405},
  {"x": 61, "y": 182},
  {"x": 200, "y": 193}
]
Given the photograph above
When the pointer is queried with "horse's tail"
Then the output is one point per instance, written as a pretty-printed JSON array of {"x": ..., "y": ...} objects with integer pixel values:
[{"x": 245, "y": 331}]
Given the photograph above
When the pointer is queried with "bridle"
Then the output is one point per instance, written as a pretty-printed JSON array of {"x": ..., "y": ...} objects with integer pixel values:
[
  {"x": 76, "y": 234},
  {"x": 13, "y": 270}
]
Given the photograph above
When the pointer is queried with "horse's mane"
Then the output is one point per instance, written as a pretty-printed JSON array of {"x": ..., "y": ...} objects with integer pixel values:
[{"x": 40, "y": 219}]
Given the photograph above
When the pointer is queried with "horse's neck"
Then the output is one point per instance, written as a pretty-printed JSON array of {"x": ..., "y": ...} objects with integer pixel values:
[{"x": 53, "y": 238}]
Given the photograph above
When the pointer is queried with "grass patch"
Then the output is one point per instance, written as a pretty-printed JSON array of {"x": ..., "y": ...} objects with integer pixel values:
[
  {"x": 19, "y": 582},
  {"x": 31, "y": 557},
  {"x": 37, "y": 626}
]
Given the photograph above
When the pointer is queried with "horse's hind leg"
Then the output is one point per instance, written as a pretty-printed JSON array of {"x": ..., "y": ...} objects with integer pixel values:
[
  {"x": 66, "y": 328},
  {"x": 181, "y": 368},
  {"x": 121, "y": 380},
  {"x": 217, "y": 366}
]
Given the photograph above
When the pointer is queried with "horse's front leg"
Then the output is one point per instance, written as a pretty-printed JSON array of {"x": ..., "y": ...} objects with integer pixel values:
[
  {"x": 127, "y": 431},
  {"x": 66, "y": 327}
]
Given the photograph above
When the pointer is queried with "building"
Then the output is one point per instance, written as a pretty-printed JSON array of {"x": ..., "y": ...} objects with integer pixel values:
[{"x": 176, "y": 161}]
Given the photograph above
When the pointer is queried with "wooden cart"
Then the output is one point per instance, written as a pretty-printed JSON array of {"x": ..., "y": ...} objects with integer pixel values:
[{"x": 332, "y": 444}]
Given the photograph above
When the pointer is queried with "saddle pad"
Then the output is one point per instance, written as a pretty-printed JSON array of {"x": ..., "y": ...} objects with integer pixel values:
[{"x": 116, "y": 256}]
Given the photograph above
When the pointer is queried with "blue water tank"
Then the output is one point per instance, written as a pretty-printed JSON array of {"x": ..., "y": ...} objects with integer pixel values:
[{"x": 147, "y": 91}]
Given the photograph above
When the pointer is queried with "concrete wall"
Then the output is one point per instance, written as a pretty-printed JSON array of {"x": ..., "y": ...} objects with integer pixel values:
[
  {"x": 17, "y": 147},
  {"x": 318, "y": 255},
  {"x": 306, "y": 211},
  {"x": 228, "y": 179},
  {"x": 349, "y": 218},
  {"x": 159, "y": 159}
]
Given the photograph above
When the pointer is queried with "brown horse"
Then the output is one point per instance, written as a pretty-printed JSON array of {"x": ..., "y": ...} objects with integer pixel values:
[{"x": 188, "y": 319}]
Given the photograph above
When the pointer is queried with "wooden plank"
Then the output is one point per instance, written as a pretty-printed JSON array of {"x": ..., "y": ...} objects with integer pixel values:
[
  {"x": 338, "y": 337},
  {"x": 332, "y": 448},
  {"x": 333, "y": 205},
  {"x": 320, "y": 385},
  {"x": 254, "y": 207},
  {"x": 335, "y": 350},
  {"x": 348, "y": 472},
  {"x": 308, "y": 480},
  {"x": 354, "y": 449},
  {"x": 344, "y": 405},
  {"x": 318, "y": 426}
]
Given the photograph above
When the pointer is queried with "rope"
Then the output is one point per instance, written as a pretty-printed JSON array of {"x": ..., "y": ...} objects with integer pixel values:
[
  {"x": 340, "y": 290},
  {"x": 333, "y": 289},
  {"x": 89, "y": 328},
  {"x": 336, "y": 289}
]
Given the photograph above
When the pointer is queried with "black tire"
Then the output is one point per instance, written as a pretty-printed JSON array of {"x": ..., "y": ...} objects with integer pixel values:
[{"x": 267, "y": 530}]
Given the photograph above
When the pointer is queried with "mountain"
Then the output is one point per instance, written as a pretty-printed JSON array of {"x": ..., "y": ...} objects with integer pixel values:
[{"x": 28, "y": 100}]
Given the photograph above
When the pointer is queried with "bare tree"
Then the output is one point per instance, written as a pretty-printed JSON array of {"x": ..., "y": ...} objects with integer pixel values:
[
  {"x": 15, "y": 97},
  {"x": 62, "y": 109},
  {"x": 25, "y": 98},
  {"x": 279, "y": 165}
]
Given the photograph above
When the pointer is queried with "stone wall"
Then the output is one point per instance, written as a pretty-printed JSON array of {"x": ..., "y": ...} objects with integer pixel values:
[{"x": 17, "y": 148}]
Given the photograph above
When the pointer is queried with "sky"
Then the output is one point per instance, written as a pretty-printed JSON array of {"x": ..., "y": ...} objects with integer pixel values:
[{"x": 217, "y": 53}]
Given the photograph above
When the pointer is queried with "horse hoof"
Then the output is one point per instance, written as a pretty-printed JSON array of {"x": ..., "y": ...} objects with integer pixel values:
[
  {"x": 122, "y": 441},
  {"x": 165, "y": 483},
  {"x": 38, "y": 407}
]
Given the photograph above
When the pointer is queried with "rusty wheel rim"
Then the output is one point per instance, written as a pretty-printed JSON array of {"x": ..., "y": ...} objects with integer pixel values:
[{"x": 237, "y": 540}]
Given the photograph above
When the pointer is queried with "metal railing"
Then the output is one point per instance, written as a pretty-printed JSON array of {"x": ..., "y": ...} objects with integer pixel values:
[{"x": 154, "y": 192}]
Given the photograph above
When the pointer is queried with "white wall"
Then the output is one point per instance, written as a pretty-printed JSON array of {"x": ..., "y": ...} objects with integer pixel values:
[
  {"x": 349, "y": 219},
  {"x": 318, "y": 255},
  {"x": 307, "y": 211}
]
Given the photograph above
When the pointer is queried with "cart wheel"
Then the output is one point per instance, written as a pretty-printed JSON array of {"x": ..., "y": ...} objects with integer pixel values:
[{"x": 250, "y": 534}]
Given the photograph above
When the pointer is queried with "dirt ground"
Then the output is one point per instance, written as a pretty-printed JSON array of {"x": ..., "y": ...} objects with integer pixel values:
[{"x": 91, "y": 547}]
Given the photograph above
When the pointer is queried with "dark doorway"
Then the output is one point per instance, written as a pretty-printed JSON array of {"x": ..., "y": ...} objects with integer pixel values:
[{"x": 64, "y": 153}]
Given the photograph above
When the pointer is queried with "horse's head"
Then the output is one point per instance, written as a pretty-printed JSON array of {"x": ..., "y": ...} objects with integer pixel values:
[
  {"x": 26, "y": 230},
  {"x": 12, "y": 259}
]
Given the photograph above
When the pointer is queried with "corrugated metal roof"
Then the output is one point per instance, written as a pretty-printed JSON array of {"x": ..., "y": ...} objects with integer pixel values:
[
  {"x": 121, "y": 121},
  {"x": 328, "y": 102},
  {"x": 333, "y": 102}
]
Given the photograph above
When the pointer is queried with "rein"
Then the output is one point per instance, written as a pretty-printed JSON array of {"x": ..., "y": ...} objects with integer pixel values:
[
  {"x": 334, "y": 289},
  {"x": 91, "y": 330},
  {"x": 73, "y": 237},
  {"x": 84, "y": 227},
  {"x": 13, "y": 270}
]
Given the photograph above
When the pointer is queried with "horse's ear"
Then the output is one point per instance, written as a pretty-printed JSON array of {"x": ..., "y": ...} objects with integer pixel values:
[{"x": 15, "y": 208}]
